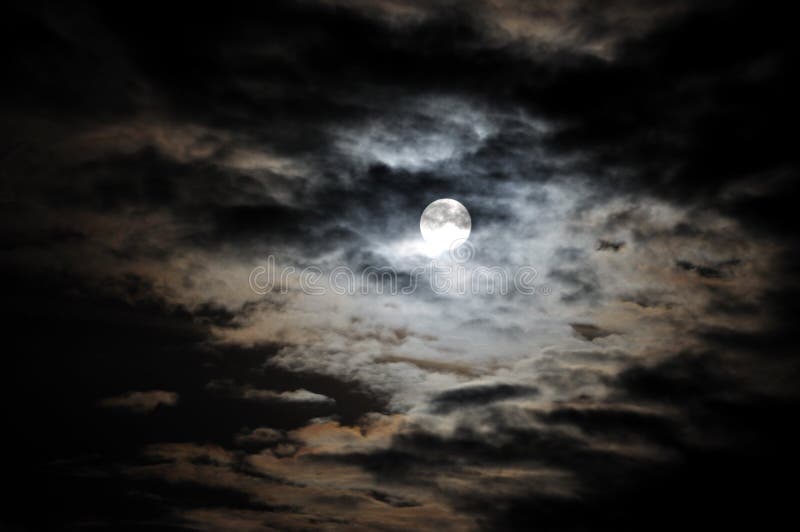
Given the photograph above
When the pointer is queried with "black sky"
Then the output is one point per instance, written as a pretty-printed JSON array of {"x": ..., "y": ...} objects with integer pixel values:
[{"x": 639, "y": 155}]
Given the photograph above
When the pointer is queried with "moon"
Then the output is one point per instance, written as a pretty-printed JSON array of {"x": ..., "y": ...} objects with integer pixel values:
[{"x": 445, "y": 224}]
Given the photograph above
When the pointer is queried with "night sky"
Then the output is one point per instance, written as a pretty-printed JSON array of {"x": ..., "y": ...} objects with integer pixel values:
[{"x": 637, "y": 158}]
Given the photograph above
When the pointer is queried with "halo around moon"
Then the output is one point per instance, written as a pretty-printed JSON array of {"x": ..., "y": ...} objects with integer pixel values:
[{"x": 445, "y": 224}]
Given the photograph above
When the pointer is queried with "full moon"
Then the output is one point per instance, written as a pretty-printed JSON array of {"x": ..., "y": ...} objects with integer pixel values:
[{"x": 445, "y": 224}]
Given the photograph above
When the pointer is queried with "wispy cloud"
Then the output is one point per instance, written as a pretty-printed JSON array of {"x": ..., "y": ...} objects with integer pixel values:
[{"x": 141, "y": 402}]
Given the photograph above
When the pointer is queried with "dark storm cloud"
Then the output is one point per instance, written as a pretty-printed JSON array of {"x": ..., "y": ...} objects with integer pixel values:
[
  {"x": 320, "y": 128},
  {"x": 197, "y": 56},
  {"x": 516, "y": 440},
  {"x": 671, "y": 458},
  {"x": 619, "y": 423},
  {"x": 98, "y": 347},
  {"x": 640, "y": 107},
  {"x": 294, "y": 64},
  {"x": 241, "y": 68}
]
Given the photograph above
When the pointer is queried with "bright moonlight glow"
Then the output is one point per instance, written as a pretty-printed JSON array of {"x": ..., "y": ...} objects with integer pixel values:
[{"x": 445, "y": 224}]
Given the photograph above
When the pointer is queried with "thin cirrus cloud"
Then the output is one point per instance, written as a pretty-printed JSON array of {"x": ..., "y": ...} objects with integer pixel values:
[
  {"x": 293, "y": 396},
  {"x": 299, "y": 395}
]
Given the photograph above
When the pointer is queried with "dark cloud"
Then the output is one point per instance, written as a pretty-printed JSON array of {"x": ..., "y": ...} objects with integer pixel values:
[
  {"x": 480, "y": 395},
  {"x": 716, "y": 271},
  {"x": 589, "y": 332},
  {"x": 603, "y": 245},
  {"x": 641, "y": 157},
  {"x": 97, "y": 349},
  {"x": 144, "y": 401}
]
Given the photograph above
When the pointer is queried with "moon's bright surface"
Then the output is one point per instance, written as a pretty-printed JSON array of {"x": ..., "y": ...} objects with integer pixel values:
[{"x": 445, "y": 224}]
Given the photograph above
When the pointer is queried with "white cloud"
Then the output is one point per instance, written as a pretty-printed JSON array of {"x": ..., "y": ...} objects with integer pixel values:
[{"x": 295, "y": 396}]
